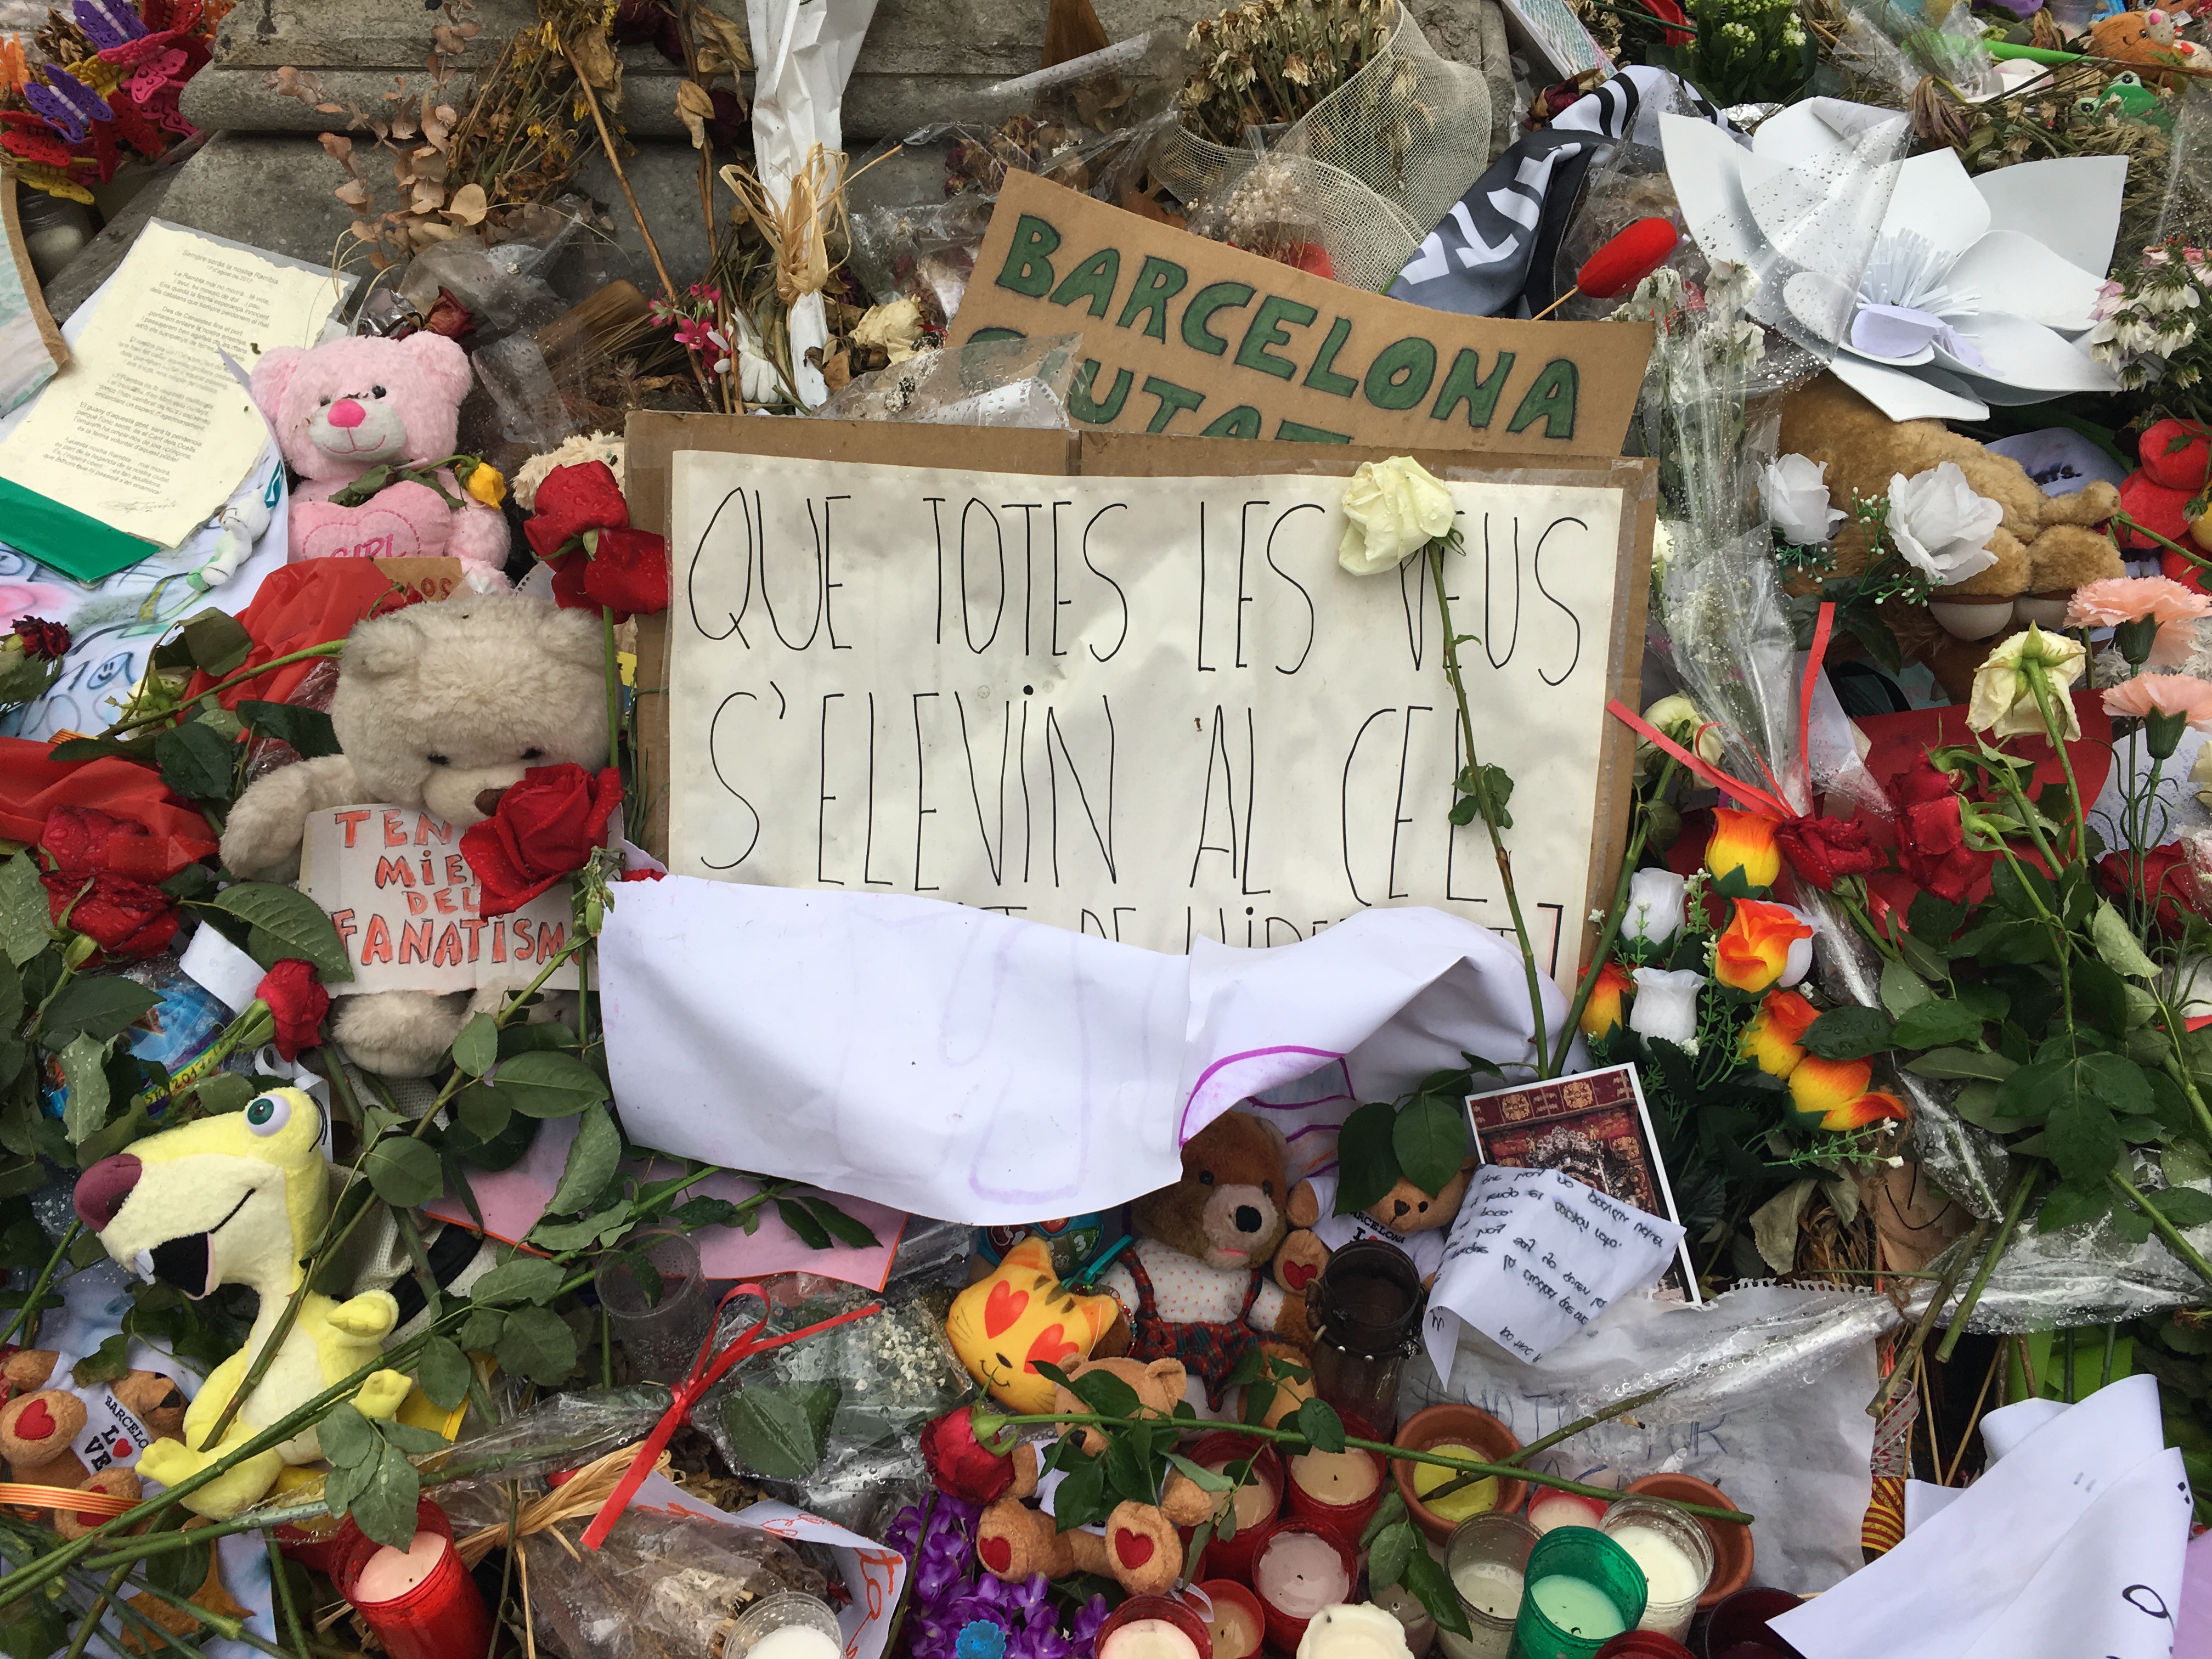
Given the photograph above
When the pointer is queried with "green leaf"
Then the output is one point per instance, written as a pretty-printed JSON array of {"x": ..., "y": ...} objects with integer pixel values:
[
  {"x": 1433, "y": 1589},
  {"x": 695, "y": 1212},
  {"x": 1961, "y": 1062},
  {"x": 1987, "y": 1002},
  {"x": 592, "y": 1162},
  {"x": 1902, "y": 988},
  {"x": 83, "y": 1071},
  {"x": 285, "y": 922},
  {"x": 2015, "y": 942},
  {"x": 308, "y": 730},
  {"x": 442, "y": 1369},
  {"x": 219, "y": 646},
  {"x": 2130, "y": 1224},
  {"x": 2024, "y": 895},
  {"x": 2084, "y": 1141},
  {"x": 103, "y": 1007},
  {"x": 537, "y": 1346},
  {"x": 404, "y": 1172},
  {"x": 1317, "y": 1421},
  {"x": 385, "y": 1510},
  {"x": 548, "y": 1085},
  {"x": 347, "y": 1481},
  {"x": 1933, "y": 920},
  {"x": 1106, "y": 1394},
  {"x": 779, "y": 1429},
  {"x": 26, "y": 917},
  {"x": 565, "y": 1236},
  {"x": 11, "y": 1002},
  {"x": 1978, "y": 1102},
  {"x": 1128, "y": 1470},
  {"x": 1367, "y": 1159},
  {"x": 2117, "y": 944},
  {"x": 107, "y": 1363},
  {"x": 2184, "y": 1206},
  {"x": 1463, "y": 810},
  {"x": 196, "y": 761},
  {"x": 2100, "y": 997},
  {"x": 1198, "y": 1474},
  {"x": 841, "y": 1227},
  {"x": 1431, "y": 1141},
  {"x": 2070, "y": 1205},
  {"x": 1386, "y": 1559},
  {"x": 1079, "y": 1499},
  {"x": 1933, "y": 1022},
  {"x": 530, "y": 1279},
  {"x": 478, "y": 1046},
  {"x": 480, "y": 1330},
  {"x": 346, "y": 1436},
  {"x": 1392, "y": 1508},
  {"x": 225, "y": 1091},
  {"x": 1849, "y": 1033},
  {"x": 800, "y": 1220}
]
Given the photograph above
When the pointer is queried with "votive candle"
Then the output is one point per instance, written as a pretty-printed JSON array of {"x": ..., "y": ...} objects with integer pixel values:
[
  {"x": 1154, "y": 1627},
  {"x": 1484, "y": 1558},
  {"x": 1476, "y": 1497},
  {"x": 1550, "y": 1508},
  {"x": 1675, "y": 1555},
  {"x": 1341, "y": 1490},
  {"x": 419, "y": 1602},
  {"x": 1299, "y": 1567},
  {"x": 1355, "y": 1629},
  {"x": 1237, "y": 1622},
  {"x": 1583, "y": 1590}
]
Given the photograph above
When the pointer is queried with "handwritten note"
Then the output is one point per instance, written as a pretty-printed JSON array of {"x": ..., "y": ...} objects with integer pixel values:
[
  {"x": 405, "y": 904},
  {"x": 1533, "y": 1256}
]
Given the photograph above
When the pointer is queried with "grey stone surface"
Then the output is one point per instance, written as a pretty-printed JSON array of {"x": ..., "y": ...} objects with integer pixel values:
[{"x": 924, "y": 61}]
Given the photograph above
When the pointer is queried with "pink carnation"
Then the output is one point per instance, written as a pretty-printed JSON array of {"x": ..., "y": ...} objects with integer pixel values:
[
  {"x": 2163, "y": 694},
  {"x": 2117, "y": 599}
]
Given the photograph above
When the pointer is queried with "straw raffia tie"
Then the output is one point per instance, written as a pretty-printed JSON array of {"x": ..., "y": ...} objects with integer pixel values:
[
  {"x": 798, "y": 233},
  {"x": 577, "y": 1498}
]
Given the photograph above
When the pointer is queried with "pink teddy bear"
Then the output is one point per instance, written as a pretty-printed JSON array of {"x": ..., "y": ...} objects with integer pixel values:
[{"x": 342, "y": 407}]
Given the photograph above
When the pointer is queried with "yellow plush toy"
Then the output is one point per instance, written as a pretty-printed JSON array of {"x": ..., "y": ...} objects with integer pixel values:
[
  {"x": 1001, "y": 1326},
  {"x": 240, "y": 1199}
]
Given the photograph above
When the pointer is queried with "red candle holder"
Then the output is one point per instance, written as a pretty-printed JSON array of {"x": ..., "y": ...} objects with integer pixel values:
[
  {"x": 1283, "y": 1628},
  {"x": 1165, "y": 1608},
  {"x": 1226, "y": 1592},
  {"x": 1347, "y": 1521},
  {"x": 317, "y": 1543},
  {"x": 442, "y": 1617},
  {"x": 1644, "y": 1644},
  {"x": 1231, "y": 1558}
]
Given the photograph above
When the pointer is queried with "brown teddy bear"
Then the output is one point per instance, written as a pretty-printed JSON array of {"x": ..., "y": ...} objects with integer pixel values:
[
  {"x": 1195, "y": 1284},
  {"x": 83, "y": 1441},
  {"x": 1406, "y": 1216},
  {"x": 2148, "y": 39},
  {"x": 1140, "y": 1550},
  {"x": 2043, "y": 546}
]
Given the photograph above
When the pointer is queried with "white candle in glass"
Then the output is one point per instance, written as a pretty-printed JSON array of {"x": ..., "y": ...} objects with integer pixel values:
[
  {"x": 1148, "y": 1638},
  {"x": 795, "y": 1641},
  {"x": 389, "y": 1573},
  {"x": 1357, "y": 1630},
  {"x": 1346, "y": 1477},
  {"x": 1674, "y": 1576},
  {"x": 1235, "y": 1633},
  {"x": 1298, "y": 1574},
  {"x": 1255, "y": 1497}
]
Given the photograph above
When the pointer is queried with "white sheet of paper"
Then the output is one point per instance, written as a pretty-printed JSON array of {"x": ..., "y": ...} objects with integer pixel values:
[
  {"x": 2071, "y": 1543},
  {"x": 1532, "y": 1256},
  {"x": 980, "y": 1068},
  {"x": 1149, "y": 710},
  {"x": 145, "y": 430},
  {"x": 404, "y": 900}
]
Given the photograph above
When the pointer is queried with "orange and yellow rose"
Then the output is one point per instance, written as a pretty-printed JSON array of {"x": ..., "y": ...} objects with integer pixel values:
[
  {"x": 1605, "y": 1008},
  {"x": 1744, "y": 841},
  {"x": 1833, "y": 1095},
  {"x": 1753, "y": 951},
  {"x": 1773, "y": 1041}
]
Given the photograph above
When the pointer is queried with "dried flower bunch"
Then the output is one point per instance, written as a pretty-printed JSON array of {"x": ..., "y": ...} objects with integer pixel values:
[{"x": 1269, "y": 62}]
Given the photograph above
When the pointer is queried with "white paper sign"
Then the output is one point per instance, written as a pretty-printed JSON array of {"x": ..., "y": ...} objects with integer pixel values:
[
  {"x": 1533, "y": 1256},
  {"x": 1149, "y": 709},
  {"x": 404, "y": 903}
]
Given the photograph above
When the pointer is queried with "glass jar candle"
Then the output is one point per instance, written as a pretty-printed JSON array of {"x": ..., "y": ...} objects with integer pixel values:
[
  {"x": 1583, "y": 1590},
  {"x": 1486, "y": 1559},
  {"x": 1674, "y": 1554},
  {"x": 1357, "y": 1630},
  {"x": 1406, "y": 1607},
  {"x": 1365, "y": 1309},
  {"x": 1154, "y": 1627},
  {"x": 1548, "y": 1507},
  {"x": 1340, "y": 1490},
  {"x": 1237, "y": 1623},
  {"x": 1259, "y": 1498},
  {"x": 790, "y": 1625},
  {"x": 660, "y": 1334},
  {"x": 419, "y": 1602},
  {"x": 1299, "y": 1567}
]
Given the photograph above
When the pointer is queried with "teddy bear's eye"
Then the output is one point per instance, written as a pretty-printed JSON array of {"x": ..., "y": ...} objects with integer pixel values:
[
  {"x": 327, "y": 403},
  {"x": 1425, "y": 1207},
  {"x": 1205, "y": 1177},
  {"x": 436, "y": 760},
  {"x": 376, "y": 392},
  {"x": 1267, "y": 1187},
  {"x": 533, "y": 754}
]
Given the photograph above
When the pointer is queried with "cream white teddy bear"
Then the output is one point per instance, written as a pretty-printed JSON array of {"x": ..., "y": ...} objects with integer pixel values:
[{"x": 441, "y": 706}]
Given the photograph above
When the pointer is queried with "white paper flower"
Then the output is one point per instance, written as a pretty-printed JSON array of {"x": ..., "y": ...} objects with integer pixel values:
[
  {"x": 1655, "y": 906},
  {"x": 1795, "y": 490},
  {"x": 1394, "y": 509},
  {"x": 1941, "y": 525},
  {"x": 1666, "y": 1006},
  {"x": 1966, "y": 291}
]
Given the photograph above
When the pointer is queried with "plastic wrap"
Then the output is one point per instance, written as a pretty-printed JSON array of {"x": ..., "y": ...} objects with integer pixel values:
[
  {"x": 563, "y": 1432},
  {"x": 2085, "y": 1275},
  {"x": 1000, "y": 383},
  {"x": 925, "y": 252}
]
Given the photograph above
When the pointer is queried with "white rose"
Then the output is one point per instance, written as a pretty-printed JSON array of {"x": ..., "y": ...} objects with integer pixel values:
[
  {"x": 1666, "y": 1006},
  {"x": 1679, "y": 719},
  {"x": 1394, "y": 508},
  {"x": 1795, "y": 490},
  {"x": 1799, "y": 961},
  {"x": 1941, "y": 525},
  {"x": 1655, "y": 906}
]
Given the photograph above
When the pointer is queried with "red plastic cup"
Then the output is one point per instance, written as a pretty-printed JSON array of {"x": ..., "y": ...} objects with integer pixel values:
[
  {"x": 1227, "y": 1593},
  {"x": 441, "y": 1617},
  {"x": 1284, "y": 1628},
  {"x": 1644, "y": 1644},
  {"x": 1738, "y": 1628},
  {"x": 1165, "y": 1609},
  {"x": 1232, "y": 1559},
  {"x": 1347, "y": 1521}
]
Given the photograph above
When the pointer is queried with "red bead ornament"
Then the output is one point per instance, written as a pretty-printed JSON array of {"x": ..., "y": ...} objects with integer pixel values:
[{"x": 1633, "y": 254}]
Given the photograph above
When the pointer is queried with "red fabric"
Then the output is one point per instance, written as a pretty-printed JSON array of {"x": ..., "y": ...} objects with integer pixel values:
[
  {"x": 1823, "y": 850},
  {"x": 572, "y": 500},
  {"x": 628, "y": 572},
  {"x": 32, "y": 786},
  {"x": 297, "y": 1002},
  {"x": 123, "y": 915},
  {"x": 299, "y": 605},
  {"x": 546, "y": 826}
]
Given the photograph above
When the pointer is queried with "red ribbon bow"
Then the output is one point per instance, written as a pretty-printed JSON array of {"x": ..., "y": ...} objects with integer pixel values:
[
  {"x": 706, "y": 1372},
  {"x": 1774, "y": 805}
]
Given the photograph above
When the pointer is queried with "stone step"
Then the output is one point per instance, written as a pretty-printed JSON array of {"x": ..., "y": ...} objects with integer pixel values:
[{"x": 924, "y": 61}]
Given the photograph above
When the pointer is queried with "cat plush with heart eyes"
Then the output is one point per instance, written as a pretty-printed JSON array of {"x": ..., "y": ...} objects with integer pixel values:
[{"x": 1002, "y": 1325}]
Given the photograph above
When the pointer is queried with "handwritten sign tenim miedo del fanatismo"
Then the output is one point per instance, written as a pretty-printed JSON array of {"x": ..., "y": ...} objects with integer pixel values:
[{"x": 1144, "y": 708}]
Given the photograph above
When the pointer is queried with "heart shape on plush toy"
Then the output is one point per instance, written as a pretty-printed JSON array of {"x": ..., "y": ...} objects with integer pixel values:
[
  {"x": 369, "y": 533},
  {"x": 1132, "y": 1549},
  {"x": 36, "y": 1423},
  {"x": 1297, "y": 1275},
  {"x": 1050, "y": 1346},
  {"x": 1003, "y": 1308},
  {"x": 995, "y": 1554}
]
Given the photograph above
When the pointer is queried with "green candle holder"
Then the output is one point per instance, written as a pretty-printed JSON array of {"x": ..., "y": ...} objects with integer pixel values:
[{"x": 1581, "y": 1590}]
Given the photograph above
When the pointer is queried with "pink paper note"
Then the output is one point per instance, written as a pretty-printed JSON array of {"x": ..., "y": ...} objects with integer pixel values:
[
  {"x": 2193, "y": 1623},
  {"x": 513, "y": 1200}
]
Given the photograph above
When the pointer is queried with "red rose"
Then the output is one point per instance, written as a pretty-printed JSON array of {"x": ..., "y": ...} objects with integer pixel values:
[
  {"x": 1672, "y": 15},
  {"x": 449, "y": 317},
  {"x": 1823, "y": 850},
  {"x": 639, "y": 875},
  {"x": 572, "y": 500},
  {"x": 568, "y": 573},
  {"x": 961, "y": 1466},
  {"x": 49, "y": 641},
  {"x": 122, "y": 915},
  {"x": 297, "y": 1002},
  {"x": 2169, "y": 884},
  {"x": 628, "y": 572},
  {"x": 546, "y": 826},
  {"x": 1931, "y": 837}
]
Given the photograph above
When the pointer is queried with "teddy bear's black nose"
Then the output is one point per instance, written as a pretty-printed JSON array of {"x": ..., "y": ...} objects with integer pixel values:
[
  {"x": 1399, "y": 1206},
  {"x": 1248, "y": 1219}
]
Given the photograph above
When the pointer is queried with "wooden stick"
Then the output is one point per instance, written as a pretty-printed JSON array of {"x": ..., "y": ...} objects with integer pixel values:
[
  {"x": 1555, "y": 305},
  {"x": 1975, "y": 1417}
]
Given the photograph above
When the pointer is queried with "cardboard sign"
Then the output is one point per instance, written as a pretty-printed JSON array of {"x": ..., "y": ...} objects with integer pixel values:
[
  {"x": 1193, "y": 338},
  {"x": 1145, "y": 707},
  {"x": 404, "y": 903}
]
